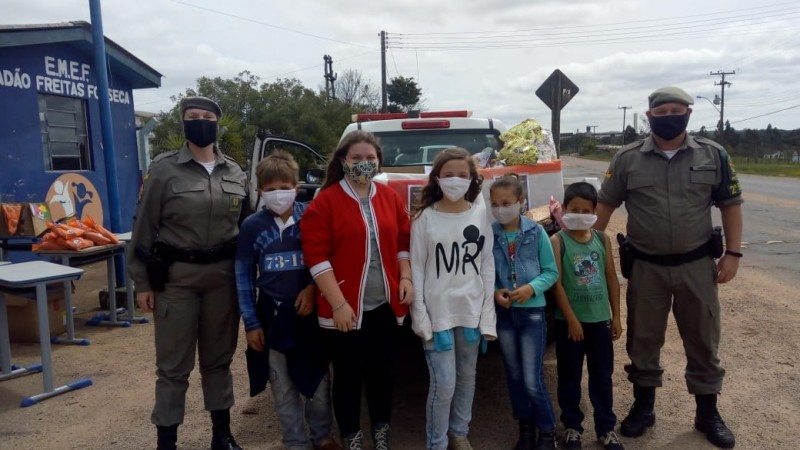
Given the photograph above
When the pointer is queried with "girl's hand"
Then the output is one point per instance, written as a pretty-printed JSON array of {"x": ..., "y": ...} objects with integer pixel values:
[
  {"x": 616, "y": 329},
  {"x": 256, "y": 340},
  {"x": 146, "y": 300},
  {"x": 305, "y": 301},
  {"x": 344, "y": 318},
  {"x": 406, "y": 291},
  {"x": 574, "y": 331},
  {"x": 502, "y": 298},
  {"x": 522, "y": 294}
]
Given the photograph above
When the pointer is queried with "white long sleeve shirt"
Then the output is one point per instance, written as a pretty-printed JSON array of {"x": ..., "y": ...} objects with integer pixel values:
[{"x": 453, "y": 271}]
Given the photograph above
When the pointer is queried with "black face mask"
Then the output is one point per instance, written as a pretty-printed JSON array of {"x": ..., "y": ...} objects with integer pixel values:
[
  {"x": 669, "y": 127},
  {"x": 200, "y": 132}
]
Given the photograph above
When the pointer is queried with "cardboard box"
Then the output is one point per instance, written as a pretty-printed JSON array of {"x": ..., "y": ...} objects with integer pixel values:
[
  {"x": 23, "y": 324},
  {"x": 32, "y": 221}
]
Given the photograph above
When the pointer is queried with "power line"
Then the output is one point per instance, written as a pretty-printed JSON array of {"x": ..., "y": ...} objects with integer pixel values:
[
  {"x": 247, "y": 19},
  {"x": 765, "y": 114},
  {"x": 548, "y": 29}
]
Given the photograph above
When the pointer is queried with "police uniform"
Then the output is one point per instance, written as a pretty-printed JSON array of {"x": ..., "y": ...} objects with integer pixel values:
[
  {"x": 192, "y": 218},
  {"x": 669, "y": 213}
]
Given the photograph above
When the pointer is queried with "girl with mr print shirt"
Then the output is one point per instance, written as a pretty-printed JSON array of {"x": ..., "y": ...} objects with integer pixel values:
[{"x": 453, "y": 271}]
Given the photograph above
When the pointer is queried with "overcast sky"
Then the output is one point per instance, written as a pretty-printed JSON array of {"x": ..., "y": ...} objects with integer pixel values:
[{"x": 488, "y": 56}]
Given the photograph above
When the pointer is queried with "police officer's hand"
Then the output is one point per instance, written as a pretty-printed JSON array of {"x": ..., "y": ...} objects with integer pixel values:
[
  {"x": 406, "y": 291},
  {"x": 574, "y": 331},
  {"x": 146, "y": 300},
  {"x": 616, "y": 329},
  {"x": 502, "y": 298},
  {"x": 305, "y": 301},
  {"x": 521, "y": 294},
  {"x": 344, "y": 318},
  {"x": 256, "y": 340},
  {"x": 727, "y": 267}
]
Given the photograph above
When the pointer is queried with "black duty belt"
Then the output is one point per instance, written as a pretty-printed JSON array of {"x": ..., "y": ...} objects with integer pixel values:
[
  {"x": 205, "y": 256},
  {"x": 675, "y": 259}
]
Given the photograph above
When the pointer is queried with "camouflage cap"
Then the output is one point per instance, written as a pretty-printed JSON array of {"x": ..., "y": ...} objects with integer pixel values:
[
  {"x": 669, "y": 94},
  {"x": 201, "y": 103}
]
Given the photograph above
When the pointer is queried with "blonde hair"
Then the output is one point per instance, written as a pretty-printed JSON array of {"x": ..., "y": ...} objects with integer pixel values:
[{"x": 277, "y": 166}]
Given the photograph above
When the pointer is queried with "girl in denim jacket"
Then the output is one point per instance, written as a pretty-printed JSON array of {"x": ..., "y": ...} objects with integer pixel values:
[{"x": 524, "y": 269}]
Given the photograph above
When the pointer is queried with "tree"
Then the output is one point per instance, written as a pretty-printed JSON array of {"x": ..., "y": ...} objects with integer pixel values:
[
  {"x": 752, "y": 143},
  {"x": 703, "y": 132},
  {"x": 403, "y": 93},
  {"x": 729, "y": 135},
  {"x": 354, "y": 90},
  {"x": 284, "y": 107},
  {"x": 630, "y": 134}
]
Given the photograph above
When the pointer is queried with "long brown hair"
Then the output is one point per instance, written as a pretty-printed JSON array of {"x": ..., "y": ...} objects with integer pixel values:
[
  {"x": 432, "y": 193},
  {"x": 335, "y": 171}
]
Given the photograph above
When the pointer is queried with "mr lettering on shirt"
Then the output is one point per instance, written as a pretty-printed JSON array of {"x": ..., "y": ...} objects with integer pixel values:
[{"x": 462, "y": 254}]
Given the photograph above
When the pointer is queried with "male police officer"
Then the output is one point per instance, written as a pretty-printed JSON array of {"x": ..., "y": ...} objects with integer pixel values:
[
  {"x": 668, "y": 183},
  {"x": 184, "y": 238}
]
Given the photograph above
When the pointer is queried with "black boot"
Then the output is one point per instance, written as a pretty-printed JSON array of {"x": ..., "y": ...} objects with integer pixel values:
[
  {"x": 641, "y": 415},
  {"x": 527, "y": 435},
  {"x": 167, "y": 437},
  {"x": 709, "y": 422},
  {"x": 221, "y": 438}
]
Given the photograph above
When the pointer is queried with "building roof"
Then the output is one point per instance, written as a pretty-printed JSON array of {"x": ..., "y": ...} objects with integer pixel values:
[{"x": 79, "y": 34}]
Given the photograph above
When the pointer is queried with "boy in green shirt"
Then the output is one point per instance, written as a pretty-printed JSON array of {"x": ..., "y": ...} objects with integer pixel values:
[{"x": 587, "y": 293}]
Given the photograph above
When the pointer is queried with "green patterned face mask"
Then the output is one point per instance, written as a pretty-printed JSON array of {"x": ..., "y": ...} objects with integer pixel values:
[{"x": 361, "y": 172}]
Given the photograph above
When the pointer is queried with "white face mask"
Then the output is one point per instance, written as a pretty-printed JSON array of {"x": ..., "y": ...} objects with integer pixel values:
[
  {"x": 578, "y": 221},
  {"x": 454, "y": 188},
  {"x": 279, "y": 201},
  {"x": 506, "y": 214}
]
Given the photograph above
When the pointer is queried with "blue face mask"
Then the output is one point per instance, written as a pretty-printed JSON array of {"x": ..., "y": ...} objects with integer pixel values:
[{"x": 669, "y": 127}]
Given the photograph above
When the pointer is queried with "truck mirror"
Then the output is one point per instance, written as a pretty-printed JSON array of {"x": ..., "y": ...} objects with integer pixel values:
[{"x": 315, "y": 175}]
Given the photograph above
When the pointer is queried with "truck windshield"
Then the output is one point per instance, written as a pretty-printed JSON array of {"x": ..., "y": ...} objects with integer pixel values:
[{"x": 419, "y": 148}]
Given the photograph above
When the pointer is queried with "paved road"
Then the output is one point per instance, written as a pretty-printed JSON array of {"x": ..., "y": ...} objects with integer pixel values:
[{"x": 771, "y": 215}]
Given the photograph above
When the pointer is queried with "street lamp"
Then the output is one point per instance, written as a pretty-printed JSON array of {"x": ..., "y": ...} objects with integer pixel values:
[{"x": 714, "y": 103}]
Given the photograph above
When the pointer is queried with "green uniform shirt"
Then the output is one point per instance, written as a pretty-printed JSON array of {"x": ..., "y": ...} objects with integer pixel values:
[
  {"x": 669, "y": 200},
  {"x": 584, "y": 278},
  {"x": 184, "y": 206}
]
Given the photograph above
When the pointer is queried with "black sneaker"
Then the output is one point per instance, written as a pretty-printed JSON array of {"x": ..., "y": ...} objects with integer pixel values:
[
  {"x": 610, "y": 441},
  {"x": 546, "y": 441},
  {"x": 355, "y": 441},
  {"x": 572, "y": 439}
]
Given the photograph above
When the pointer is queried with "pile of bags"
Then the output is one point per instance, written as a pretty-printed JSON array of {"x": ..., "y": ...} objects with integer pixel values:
[
  {"x": 526, "y": 143},
  {"x": 75, "y": 235}
]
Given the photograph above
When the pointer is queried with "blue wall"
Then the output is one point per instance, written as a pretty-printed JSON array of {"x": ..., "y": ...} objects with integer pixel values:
[{"x": 23, "y": 177}]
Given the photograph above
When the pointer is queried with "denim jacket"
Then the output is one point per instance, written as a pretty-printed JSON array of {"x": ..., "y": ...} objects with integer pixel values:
[{"x": 534, "y": 261}]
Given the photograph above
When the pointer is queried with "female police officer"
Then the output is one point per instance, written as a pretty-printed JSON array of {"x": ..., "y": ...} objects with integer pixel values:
[{"x": 184, "y": 238}]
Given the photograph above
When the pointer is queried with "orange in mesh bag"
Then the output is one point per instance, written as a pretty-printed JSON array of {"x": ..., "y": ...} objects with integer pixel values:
[
  {"x": 65, "y": 231},
  {"x": 90, "y": 222},
  {"x": 75, "y": 243},
  {"x": 49, "y": 242},
  {"x": 12, "y": 213}
]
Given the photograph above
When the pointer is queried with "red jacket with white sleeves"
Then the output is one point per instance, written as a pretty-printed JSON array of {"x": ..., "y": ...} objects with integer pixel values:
[{"x": 335, "y": 237}]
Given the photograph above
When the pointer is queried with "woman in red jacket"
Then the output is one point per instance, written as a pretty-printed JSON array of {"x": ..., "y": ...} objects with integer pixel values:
[{"x": 355, "y": 238}]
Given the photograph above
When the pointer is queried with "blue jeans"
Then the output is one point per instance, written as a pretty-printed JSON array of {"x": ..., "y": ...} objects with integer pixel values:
[
  {"x": 522, "y": 335},
  {"x": 599, "y": 351},
  {"x": 291, "y": 407},
  {"x": 452, "y": 386}
]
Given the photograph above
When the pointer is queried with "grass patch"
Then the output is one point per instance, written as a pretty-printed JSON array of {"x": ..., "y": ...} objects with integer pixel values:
[
  {"x": 766, "y": 167},
  {"x": 742, "y": 165}
]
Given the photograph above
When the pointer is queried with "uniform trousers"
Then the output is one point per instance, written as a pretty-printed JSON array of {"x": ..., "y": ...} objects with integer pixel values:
[
  {"x": 197, "y": 312},
  {"x": 689, "y": 290}
]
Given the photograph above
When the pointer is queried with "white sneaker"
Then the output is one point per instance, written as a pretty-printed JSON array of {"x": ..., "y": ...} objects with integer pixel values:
[{"x": 459, "y": 443}]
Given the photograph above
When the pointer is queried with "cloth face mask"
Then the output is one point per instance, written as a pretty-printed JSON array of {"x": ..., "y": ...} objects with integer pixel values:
[
  {"x": 361, "y": 172},
  {"x": 279, "y": 201},
  {"x": 454, "y": 188},
  {"x": 506, "y": 214},
  {"x": 200, "y": 132},
  {"x": 669, "y": 127},
  {"x": 578, "y": 221}
]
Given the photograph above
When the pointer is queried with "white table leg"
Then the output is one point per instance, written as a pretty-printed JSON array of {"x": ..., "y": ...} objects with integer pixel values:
[{"x": 110, "y": 318}]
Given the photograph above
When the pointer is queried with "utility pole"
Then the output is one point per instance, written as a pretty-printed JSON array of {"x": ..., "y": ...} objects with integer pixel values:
[
  {"x": 384, "y": 102},
  {"x": 624, "y": 113},
  {"x": 330, "y": 77},
  {"x": 722, "y": 83}
]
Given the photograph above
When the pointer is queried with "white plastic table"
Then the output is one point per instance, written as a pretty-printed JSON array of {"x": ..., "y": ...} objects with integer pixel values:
[{"x": 35, "y": 274}]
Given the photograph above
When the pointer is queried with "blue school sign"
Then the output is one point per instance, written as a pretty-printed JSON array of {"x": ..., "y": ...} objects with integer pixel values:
[{"x": 50, "y": 133}]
